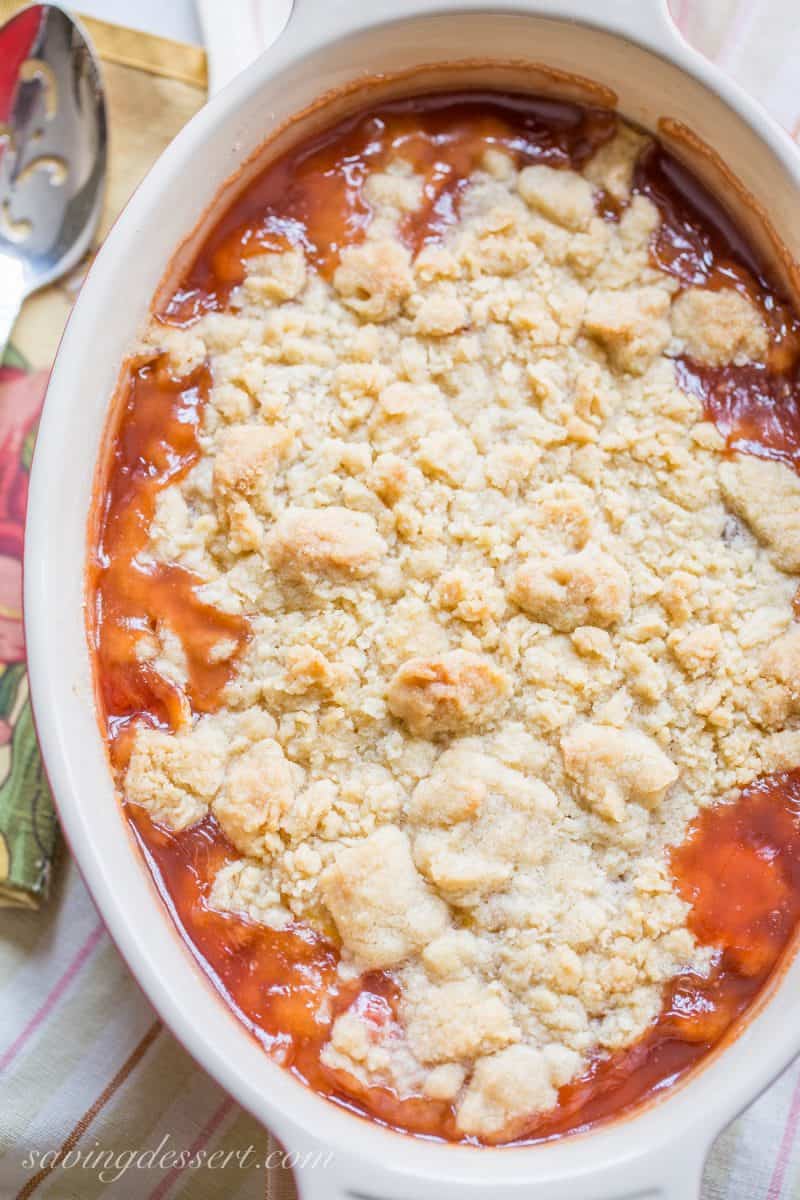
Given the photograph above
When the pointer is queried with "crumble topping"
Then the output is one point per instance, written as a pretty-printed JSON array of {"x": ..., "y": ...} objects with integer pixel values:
[
  {"x": 515, "y": 619},
  {"x": 766, "y": 495},
  {"x": 717, "y": 327},
  {"x": 383, "y": 909}
]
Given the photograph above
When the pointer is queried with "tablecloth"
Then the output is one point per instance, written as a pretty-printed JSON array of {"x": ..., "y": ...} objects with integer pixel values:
[{"x": 98, "y": 1099}]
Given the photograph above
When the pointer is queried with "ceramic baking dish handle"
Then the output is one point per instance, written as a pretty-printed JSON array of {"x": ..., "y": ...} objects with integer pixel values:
[
  {"x": 236, "y": 32},
  {"x": 671, "y": 1173},
  {"x": 646, "y": 21},
  {"x": 360, "y": 1188}
]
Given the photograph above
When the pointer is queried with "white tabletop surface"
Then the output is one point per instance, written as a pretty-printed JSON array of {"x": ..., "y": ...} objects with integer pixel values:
[{"x": 169, "y": 18}]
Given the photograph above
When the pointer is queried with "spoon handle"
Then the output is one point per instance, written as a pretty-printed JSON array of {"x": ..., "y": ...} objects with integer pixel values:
[{"x": 12, "y": 293}]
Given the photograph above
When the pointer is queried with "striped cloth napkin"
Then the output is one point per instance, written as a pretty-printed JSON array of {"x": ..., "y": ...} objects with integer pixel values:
[{"x": 98, "y": 1099}]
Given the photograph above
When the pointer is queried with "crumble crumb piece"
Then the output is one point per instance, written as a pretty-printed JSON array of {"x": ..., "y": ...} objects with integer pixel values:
[
  {"x": 444, "y": 1082},
  {"x": 562, "y": 196},
  {"x": 612, "y": 166},
  {"x": 250, "y": 890},
  {"x": 697, "y": 651},
  {"x": 383, "y": 909},
  {"x": 447, "y": 693},
  {"x": 305, "y": 544},
  {"x": 255, "y": 797},
  {"x": 175, "y": 776},
  {"x": 614, "y": 766},
  {"x": 276, "y": 276},
  {"x": 766, "y": 495},
  {"x": 247, "y": 458},
  {"x": 373, "y": 1052},
  {"x": 391, "y": 190},
  {"x": 632, "y": 325},
  {"x": 719, "y": 327},
  {"x": 777, "y": 689},
  {"x": 458, "y": 1020},
  {"x": 440, "y": 315},
  {"x": 476, "y": 821},
  {"x": 374, "y": 278},
  {"x": 586, "y": 588},
  {"x": 781, "y": 751},
  {"x": 514, "y": 1083}
]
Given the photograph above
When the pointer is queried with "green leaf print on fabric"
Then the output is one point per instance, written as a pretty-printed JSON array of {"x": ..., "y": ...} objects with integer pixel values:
[{"x": 28, "y": 826}]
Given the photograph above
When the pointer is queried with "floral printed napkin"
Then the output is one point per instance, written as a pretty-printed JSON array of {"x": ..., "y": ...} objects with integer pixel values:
[
  {"x": 27, "y": 821},
  {"x": 154, "y": 87}
]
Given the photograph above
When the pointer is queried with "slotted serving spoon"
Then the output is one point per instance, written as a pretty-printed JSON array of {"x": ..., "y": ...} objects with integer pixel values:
[{"x": 53, "y": 153}]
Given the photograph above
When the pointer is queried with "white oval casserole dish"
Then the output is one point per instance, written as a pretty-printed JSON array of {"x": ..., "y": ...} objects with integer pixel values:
[{"x": 626, "y": 46}]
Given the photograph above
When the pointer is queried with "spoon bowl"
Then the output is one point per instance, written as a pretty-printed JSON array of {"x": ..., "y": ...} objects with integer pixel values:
[{"x": 53, "y": 153}]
